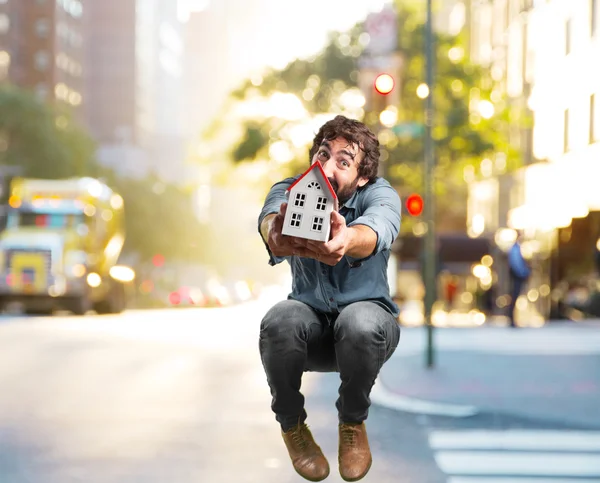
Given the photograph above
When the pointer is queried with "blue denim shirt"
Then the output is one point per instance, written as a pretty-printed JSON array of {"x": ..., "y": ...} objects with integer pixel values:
[{"x": 329, "y": 289}]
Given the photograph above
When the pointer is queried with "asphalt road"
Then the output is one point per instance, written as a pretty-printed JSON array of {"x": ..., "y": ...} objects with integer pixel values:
[{"x": 179, "y": 396}]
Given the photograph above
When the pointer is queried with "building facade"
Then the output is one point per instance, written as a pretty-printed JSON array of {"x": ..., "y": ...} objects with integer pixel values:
[
  {"x": 42, "y": 48},
  {"x": 134, "y": 57},
  {"x": 543, "y": 56}
]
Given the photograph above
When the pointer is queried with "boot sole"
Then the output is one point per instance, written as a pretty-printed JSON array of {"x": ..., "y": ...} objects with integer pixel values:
[
  {"x": 313, "y": 479},
  {"x": 358, "y": 477}
]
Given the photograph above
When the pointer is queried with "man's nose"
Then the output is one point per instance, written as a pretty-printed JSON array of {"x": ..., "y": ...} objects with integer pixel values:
[{"x": 329, "y": 169}]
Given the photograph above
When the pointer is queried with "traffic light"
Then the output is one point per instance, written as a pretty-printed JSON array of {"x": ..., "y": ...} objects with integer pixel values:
[
  {"x": 384, "y": 84},
  {"x": 414, "y": 204},
  {"x": 158, "y": 260}
]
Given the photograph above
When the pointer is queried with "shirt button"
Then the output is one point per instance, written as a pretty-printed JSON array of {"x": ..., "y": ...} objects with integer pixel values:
[
  {"x": 331, "y": 299},
  {"x": 324, "y": 271}
]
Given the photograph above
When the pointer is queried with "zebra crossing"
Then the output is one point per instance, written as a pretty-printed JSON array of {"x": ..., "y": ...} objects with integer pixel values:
[{"x": 517, "y": 456}]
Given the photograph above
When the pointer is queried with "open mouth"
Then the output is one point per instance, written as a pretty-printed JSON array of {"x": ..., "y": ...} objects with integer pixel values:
[{"x": 334, "y": 184}]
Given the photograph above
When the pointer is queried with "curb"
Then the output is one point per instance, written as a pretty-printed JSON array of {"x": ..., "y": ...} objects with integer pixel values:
[{"x": 382, "y": 396}]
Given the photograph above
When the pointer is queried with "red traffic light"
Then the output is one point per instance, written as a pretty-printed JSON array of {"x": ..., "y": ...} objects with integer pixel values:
[
  {"x": 414, "y": 204},
  {"x": 384, "y": 84},
  {"x": 158, "y": 260}
]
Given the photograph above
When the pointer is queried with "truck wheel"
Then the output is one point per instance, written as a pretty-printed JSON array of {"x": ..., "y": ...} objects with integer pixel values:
[
  {"x": 114, "y": 303},
  {"x": 38, "y": 312},
  {"x": 80, "y": 306}
]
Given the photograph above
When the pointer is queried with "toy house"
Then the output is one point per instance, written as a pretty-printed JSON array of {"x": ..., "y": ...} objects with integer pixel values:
[{"x": 311, "y": 199}]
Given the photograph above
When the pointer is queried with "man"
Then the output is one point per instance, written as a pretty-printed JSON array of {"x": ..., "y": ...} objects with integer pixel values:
[
  {"x": 519, "y": 273},
  {"x": 339, "y": 316}
]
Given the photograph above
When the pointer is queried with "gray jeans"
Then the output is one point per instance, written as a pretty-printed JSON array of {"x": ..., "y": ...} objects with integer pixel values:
[{"x": 294, "y": 338}]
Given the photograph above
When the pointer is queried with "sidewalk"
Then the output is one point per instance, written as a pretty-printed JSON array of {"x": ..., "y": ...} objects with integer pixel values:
[{"x": 551, "y": 373}]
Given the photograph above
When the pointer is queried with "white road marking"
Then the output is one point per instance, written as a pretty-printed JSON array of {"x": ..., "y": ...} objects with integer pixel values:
[
  {"x": 528, "y": 440},
  {"x": 510, "y": 479},
  {"x": 517, "y": 456},
  {"x": 514, "y": 463}
]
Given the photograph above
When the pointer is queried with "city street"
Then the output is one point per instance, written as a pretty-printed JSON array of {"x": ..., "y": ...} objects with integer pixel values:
[{"x": 180, "y": 396}]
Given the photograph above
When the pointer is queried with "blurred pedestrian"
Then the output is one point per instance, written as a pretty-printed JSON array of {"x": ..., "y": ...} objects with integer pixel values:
[
  {"x": 340, "y": 316},
  {"x": 450, "y": 290},
  {"x": 519, "y": 271}
]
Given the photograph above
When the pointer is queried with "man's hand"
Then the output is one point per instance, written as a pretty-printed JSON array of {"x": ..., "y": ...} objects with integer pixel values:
[
  {"x": 356, "y": 241},
  {"x": 283, "y": 245},
  {"x": 333, "y": 251}
]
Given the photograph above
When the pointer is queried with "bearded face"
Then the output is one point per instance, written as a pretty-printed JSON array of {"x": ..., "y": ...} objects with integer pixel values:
[{"x": 340, "y": 160}]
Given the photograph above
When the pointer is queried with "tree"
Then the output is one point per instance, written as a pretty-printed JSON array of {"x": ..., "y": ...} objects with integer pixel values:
[
  {"x": 46, "y": 142},
  {"x": 159, "y": 218},
  {"x": 471, "y": 119},
  {"x": 43, "y": 139}
]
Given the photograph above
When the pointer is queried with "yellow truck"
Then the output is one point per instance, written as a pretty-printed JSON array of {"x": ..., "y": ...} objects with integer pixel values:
[{"x": 61, "y": 245}]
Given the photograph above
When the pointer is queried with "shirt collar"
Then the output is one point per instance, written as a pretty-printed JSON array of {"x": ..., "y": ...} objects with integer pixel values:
[{"x": 351, "y": 203}]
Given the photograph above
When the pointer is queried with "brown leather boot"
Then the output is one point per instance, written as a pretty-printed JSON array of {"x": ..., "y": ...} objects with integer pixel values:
[
  {"x": 354, "y": 452},
  {"x": 307, "y": 457}
]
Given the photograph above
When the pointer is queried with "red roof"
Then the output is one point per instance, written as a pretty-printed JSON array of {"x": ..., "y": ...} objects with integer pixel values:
[{"x": 317, "y": 164}]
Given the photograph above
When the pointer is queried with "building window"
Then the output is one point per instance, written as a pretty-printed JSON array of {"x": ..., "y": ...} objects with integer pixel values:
[
  {"x": 299, "y": 201},
  {"x": 524, "y": 47},
  {"x": 296, "y": 220},
  {"x": 42, "y": 28},
  {"x": 4, "y": 64},
  {"x": 41, "y": 60},
  {"x": 4, "y": 23},
  {"x": 317, "y": 224},
  {"x": 594, "y": 121},
  {"x": 321, "y": 203},
  {"x": 566, "y": 132},
  {"x": 568, "y": 45},
  {"x": 42, "y": 91},
  {"x": 593, "y": 17},
  {"x": 314, "y": 185}
]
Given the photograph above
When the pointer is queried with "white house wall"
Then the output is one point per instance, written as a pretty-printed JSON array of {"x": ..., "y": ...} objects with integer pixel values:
[{"x": 308, "y": 211}]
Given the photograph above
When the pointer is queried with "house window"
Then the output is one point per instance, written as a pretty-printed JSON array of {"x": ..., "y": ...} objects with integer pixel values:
[
  {"x": 321, "y": 203},
  {"x": 299, "y": 200},
  {"x": 296, "y": 220},
  {"x": 314, "y": 185},
  {"x": 317, "y": 224}
]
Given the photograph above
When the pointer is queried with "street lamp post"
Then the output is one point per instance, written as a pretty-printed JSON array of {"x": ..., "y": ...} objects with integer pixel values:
[{"x": 430, "y": 249}]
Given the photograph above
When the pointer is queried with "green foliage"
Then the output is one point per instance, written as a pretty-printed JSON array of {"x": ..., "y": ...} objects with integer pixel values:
[
  {"x": 159, "y": 219},
  {"x": 254, "y": 140},
  {"x": 318, "y": 82},
  {"x": 44, "y": 140},
  {"x": 462, "y": 137},
  {"x": 47, "y": 143}
]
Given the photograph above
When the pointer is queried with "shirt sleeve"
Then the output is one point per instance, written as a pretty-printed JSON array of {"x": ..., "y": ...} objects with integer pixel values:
[
  {"x": 380, "y": 211},
  {"x": 277, "y": 195}
]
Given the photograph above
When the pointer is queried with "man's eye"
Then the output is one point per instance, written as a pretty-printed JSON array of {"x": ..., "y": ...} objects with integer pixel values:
[{"x": 322, "y": 154}]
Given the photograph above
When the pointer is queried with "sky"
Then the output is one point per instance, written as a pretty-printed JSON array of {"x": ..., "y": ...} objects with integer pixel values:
[
  {"x": 245, "y": 36},
  {"x": 282, "y": 30}
]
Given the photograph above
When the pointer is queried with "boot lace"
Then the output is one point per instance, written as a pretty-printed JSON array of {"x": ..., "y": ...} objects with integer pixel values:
[
  {"x": 349, "y": 434},
  {"x": 299, "y": 437}
]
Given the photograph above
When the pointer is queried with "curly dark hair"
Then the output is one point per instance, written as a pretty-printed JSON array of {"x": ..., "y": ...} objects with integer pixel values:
[{"x": 355, "y": 132}]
